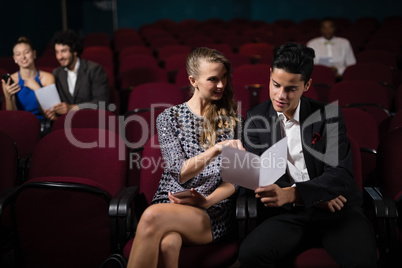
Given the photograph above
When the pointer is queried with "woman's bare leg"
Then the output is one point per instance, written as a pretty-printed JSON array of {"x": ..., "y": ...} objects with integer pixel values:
[
  {"x": 191, "y": 223},
  {"x": 169, "y": 250}
]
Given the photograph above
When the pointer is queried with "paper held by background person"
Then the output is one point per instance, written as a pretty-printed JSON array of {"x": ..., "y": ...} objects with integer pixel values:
[
  {"x": 48, "y": 96},
  {"x": 326, "y": 61},
  {"x": 252, "y": 171}
]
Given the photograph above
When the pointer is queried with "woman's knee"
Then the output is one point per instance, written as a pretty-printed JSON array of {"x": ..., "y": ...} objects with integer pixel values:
[
  {"x": 171, "y": 244},
  {"x": 151, "y": 220}
]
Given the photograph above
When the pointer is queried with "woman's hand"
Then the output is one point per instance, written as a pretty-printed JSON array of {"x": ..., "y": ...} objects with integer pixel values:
[
  {"x": 196, "y": 199},
  {"x": 229, "y": 143},
  {"x": 10, "y": 90}
]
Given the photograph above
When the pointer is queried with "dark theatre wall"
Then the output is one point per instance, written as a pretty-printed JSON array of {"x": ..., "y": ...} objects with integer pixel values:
[{"x": 40, "y": 19}]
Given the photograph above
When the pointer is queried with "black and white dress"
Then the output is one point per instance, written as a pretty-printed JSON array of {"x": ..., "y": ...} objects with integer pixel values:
[{"x": 179, "y": 134}]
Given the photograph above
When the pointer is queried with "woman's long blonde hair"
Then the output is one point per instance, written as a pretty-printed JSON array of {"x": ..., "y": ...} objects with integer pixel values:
[{"x": 219, "y": 115}]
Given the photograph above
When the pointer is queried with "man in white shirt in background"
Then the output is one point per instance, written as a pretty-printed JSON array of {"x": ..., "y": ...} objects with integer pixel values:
[{"x": 330, "y": 50}]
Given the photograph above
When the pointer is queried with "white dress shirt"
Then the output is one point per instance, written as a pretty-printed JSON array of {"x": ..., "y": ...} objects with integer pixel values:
[
  {"x": 72, "y": 77},
  {"x": 336, "y": 52},
  {"x": 296, "y": 166}
]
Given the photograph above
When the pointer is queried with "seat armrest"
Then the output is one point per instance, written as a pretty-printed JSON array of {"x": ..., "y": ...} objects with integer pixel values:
[
  {"x": 123, "y": 194},
  {"x": 384, "y": 215},
  {"x": 382, "y": 207},
  {"x": 241, "y": 214},
  {"x": 6, "y": 198},
  {"x": 241, "y": 207},
  {"x": 252, "y": 207},
  {"x": 126, "y": 200},
  {"x": 120, "y": 214}
]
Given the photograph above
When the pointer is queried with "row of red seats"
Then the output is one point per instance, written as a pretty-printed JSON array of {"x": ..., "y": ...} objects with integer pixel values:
[{"x": 84, "y": 190}]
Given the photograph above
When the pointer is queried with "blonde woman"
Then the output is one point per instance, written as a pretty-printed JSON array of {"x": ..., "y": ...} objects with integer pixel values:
[
  {"x": 191, "y": 136},
  {"x": 19, "y": 90}
]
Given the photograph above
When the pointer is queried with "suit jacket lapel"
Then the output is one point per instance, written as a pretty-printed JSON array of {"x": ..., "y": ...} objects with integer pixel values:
[
  {"x": 275, "y": 124},
  {"x": 64, "y": 85},
  {"x": 307, "y": 133},
  {"x": 81, "y": 72}
]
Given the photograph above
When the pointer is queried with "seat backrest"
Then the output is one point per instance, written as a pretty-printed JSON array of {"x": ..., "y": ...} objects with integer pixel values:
[
  {"x": 251, "y": 74},
  {"x": 8, "y": 162},
  {"x": 362, "y": 127},
  {"x": 169, "y": 50},
  {"x": 88, "y": 118},
  {"x": 175, "y": 62},
  {"x": 379, "y": 56},
  {"x": 323, "y": 75},
  {"x": 389, "y": 162},
  {"x": 311, "y": 93},
  {"x": 182, "y": 78},
  {"x": 95, "y": 154},
  {"x": 378, "y": 72},
  {"x": 23, "y": 127},
  {"x": 357, "y": 163},
  {"x": 134, "y": 50},
  {"x": 151, "y": 169},
  {"x": 396, "y": 121},
  {"x": 96, "y": 39},
  {"x": 359, "y": 91},
  {"x": 135, "y": 61},
  {"x": 141, "y": 75},
  {"x": 155, "y": 93},
  {"x": 262, "y": 50},
  {"x": 140, "y": 126},
  {"x": 225, "y": 49},
  {"x": 398, "y": 98},
  {"x": 125, "y": 37},
  {"x": 8, "y": 63},
  {"x": 49, "y": 210}
]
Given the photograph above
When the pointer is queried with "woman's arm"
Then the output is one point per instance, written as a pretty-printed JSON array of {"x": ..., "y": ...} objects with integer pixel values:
[
  {"x": 196, "y": 164},
  {"x": 223, "y": 191}
]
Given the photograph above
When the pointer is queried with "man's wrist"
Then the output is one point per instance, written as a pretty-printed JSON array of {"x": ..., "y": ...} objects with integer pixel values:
[
  {"x": 73, "y": 108},
  {"x": 294, "y": 196}
]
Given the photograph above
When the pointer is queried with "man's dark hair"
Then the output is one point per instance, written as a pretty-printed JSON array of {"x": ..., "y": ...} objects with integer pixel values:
[
  {"x": 295, "y": 58},
  {"x": 69, "y": 38},
  {"x": 325, "y": 19}
]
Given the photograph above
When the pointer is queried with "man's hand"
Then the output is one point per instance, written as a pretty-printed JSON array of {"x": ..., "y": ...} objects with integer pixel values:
[
  {"x": 275, "y": 196},
  {"x": 63, "y": 108},
  {"x": 50, "y": 114},
  {"x": 335, "y": 71},
  {"x": 333, "y": 205}
]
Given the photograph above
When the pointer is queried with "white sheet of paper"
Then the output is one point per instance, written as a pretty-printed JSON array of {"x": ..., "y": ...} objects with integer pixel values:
[
  {"x": 327, "y": 61},
  {"x": 251, "y": 171},
  {"x": 47, "y": 96}
]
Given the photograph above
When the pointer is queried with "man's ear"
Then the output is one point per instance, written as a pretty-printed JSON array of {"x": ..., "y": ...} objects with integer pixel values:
[
  {"x": 193, "y": 82},
  {"x": 308, "y": 84}
]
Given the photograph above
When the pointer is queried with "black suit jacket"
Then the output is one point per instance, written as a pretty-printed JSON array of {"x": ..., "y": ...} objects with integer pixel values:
[
  {"x": 326, "y": 149},
  {"x": 92, "y": 84}
]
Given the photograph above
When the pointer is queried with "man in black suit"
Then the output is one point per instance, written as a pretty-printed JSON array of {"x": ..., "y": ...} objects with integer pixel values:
[
  {"x": 80, "y": 83},
  {"x": 317, "y": 202}
]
